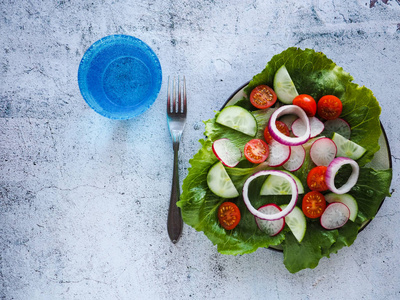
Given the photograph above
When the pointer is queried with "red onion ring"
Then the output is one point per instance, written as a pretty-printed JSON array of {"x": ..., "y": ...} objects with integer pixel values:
[
  {"x": 279, "y": 136},
  {"x": 332, "y": 170},
  {"x": 282, "y": 213}
]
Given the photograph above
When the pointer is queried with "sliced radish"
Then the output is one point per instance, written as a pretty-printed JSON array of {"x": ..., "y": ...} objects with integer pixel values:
[
  {"x": 323, "y": 151},
  {"x": 274, "y": 216},
  {"x": 296, "y": 159},
  {"x": 308, "y": 145},
  {"x": 279, "y": 136},
  {"x": 299, "y": 127},
  {"x": 332, "y": 170},
  {"x": 347, "y": 199},
  {"x": 271, "y": 228},
  {"x": 278, "y": 154},
  {"x": 227, "y": 152},
  {"x": 335, "y": 216},
  {"x": 337, "y": 125}
]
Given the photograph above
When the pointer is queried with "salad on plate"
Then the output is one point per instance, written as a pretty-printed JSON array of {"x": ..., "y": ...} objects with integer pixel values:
[{"x": 287, "y": 163}]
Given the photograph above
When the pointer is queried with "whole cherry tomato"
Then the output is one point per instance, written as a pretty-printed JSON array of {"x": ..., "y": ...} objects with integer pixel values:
[
  {"x": 329, "y": 107},
  {"x": 307, "y": 103}
]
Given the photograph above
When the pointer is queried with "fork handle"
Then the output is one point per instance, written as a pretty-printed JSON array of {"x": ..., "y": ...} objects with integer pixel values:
[{"x": 175, "y": 222}]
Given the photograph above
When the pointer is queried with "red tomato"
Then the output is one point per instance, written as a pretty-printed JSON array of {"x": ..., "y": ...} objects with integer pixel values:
[
  {"x": 228, "y": 215},
  {"x": 313, "y": 204},
  {"x": 307, "y": 103},
  {"x": 329, "y": 107},
  {"x": 262, "y": 97},
  {"x": 256, "y": 151},
  {"x": 316, "y": 179},
  {"x": 282, "y": 127}
]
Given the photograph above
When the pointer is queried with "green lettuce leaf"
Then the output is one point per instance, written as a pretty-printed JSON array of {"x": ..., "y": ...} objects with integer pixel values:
[{"x": 313, "y": 73}]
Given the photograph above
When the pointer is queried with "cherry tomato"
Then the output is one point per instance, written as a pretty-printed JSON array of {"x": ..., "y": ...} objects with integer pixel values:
[
  {"x": 262, "y": 97},
  {"x": 313, "y": 204},
  {"x": 256, "y": 151},
  {"x": 228, "y": 215},
  {"x": 316, "y": 179},
  {"x": 307, "y": 103},
  {"x": 329, "y": 107},
  {"x": 282, "y": 127}
]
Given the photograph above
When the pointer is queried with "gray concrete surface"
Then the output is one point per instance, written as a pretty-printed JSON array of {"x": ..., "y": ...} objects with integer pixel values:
[{"x": 83, "y": 199}]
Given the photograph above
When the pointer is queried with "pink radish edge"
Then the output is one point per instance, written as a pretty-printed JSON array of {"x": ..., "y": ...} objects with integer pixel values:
[{"x": 278, "y": 154}]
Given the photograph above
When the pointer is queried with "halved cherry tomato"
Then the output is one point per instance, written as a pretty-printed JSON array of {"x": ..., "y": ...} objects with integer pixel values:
[
  {"x": 228, "y": 215},
  {"x": 329, "y": 107},
  {"x": 256, "y": 151},
  {"x": 307, "y": 103},
  {"x": 316, "y": 179},
  {"x": 282, "y": 127},
  {"x": 262, "y": 97},
  {"x": 313, "y": 204}
]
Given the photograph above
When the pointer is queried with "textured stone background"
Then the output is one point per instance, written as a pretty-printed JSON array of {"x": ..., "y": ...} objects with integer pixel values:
[{"x": 83, "y": 199}]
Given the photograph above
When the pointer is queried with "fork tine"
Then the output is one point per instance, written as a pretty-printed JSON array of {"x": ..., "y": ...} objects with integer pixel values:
[
  {"x": 179, "y": 96},
  {"x": 169, "y": 97},
  {"x": 179, "y": 105},
  {"x": 184, "y": 95},
  {"x": 174, "y": 97}
]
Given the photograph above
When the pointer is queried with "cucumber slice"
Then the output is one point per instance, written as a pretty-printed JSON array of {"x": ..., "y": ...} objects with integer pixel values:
[
  {"x": 347, "y": 199},
  {"x": 347, "y": 148},
  {"x": 284, "y": 87},
  {"x": 296, "y": 222},
  {"x": 277, "y": 185},
  {"x": 238, "y": 118},
  {"x": 220, "y": 183}
]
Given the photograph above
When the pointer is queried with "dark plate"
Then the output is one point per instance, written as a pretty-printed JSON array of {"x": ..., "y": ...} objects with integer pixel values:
[{"x": 381, "y": 161}]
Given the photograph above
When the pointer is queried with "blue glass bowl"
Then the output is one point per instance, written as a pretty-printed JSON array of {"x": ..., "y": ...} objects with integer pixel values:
[{"x": 119, "y": 77}]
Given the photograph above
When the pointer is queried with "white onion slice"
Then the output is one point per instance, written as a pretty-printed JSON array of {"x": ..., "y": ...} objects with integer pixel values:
[
  {"x": 279, "y": 136},
  {"x": 332, "y": 170},
  {"x": 279, "y": 215}
]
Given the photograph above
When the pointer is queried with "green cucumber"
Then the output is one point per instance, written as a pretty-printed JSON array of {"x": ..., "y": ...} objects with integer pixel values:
[
  {"x": 346, "y": 199},
  {"x": 220, "y": 183},
  {"x": 347, "y": 148},
  {"x": 283, "y": 86},
  {"x": 296, "y": 222},
  {"x": 277, "y": 185},
  {"x": 239, "y": 119}
]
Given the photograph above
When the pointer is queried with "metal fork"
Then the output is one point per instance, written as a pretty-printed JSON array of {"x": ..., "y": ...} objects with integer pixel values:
[{"x": 176, "y": 117}]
